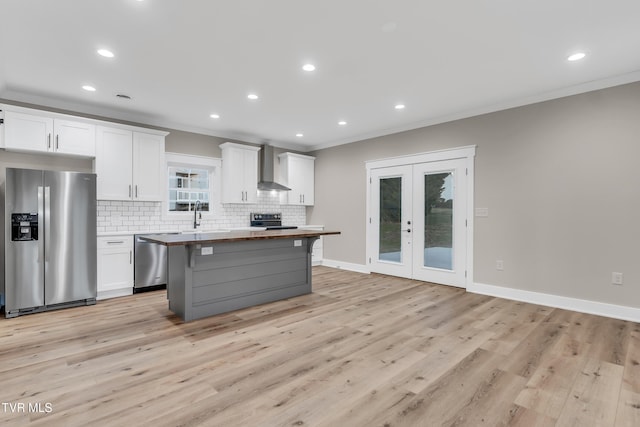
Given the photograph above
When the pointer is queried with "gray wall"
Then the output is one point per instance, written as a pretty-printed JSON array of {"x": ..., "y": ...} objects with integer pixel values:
[{"x": 560, "y": 179}]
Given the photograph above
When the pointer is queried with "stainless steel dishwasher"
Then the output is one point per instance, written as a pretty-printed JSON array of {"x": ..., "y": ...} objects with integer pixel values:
[{"x": 150, "y": 265}]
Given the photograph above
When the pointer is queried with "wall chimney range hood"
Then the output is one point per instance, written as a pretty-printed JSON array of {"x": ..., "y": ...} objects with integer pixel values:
[{"x": 267, "y": 183}]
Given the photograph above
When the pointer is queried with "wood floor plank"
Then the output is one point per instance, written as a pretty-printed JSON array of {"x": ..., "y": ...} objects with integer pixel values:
[
  {"x": 593, "y": 399},
  {"x": 361, "y": 350}
]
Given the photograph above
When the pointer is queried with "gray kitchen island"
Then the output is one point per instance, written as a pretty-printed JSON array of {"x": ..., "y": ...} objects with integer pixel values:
[{"x": 213, "y": 273}]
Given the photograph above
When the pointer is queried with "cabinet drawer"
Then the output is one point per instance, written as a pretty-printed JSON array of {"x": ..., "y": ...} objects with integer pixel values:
[{"x": 105, "y": 242}]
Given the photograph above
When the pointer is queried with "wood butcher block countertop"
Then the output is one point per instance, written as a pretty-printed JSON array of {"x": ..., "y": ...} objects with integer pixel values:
[{"x": 232, "y": 236}]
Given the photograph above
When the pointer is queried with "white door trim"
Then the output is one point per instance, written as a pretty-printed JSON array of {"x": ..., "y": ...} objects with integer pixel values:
[{"x": 468, "y": 153}]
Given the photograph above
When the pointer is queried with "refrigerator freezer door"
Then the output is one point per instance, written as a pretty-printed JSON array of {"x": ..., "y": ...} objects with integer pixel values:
[
  {"x": 70, "y": 237},
  {"x": 24, "y": 272}
]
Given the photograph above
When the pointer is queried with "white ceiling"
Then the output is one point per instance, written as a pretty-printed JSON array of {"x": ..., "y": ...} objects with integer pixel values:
[{"x": 182, "y": 60}]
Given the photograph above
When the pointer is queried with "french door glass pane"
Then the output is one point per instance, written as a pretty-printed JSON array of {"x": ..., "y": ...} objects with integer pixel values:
[
  {"x": 438, "y": 220},
  {"x": 390, "y": 219}
]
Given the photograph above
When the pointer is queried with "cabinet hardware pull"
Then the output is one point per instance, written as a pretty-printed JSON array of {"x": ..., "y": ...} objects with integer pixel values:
[
  {"x": 130, "y": 257},
  {"x": 57, "y": 140},
  {"x": 49, "y": 141},
  {"x": 113, "y": 242},
  {"x": 136, "y": 191}
]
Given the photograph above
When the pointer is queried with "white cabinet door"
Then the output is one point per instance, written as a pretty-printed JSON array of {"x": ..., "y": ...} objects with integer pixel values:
[
  {"x": 129, "y": 165},
  {"x": 297, "y": 172},
  {"x": 74, "y": 138},
  {"x": 250, "y": 174},
  {"x": 113, "y": 165},
  {"x": 30, "y": 132},
  {"x": 148, "y": 167},
  {"x": 239, "y": 173},
  {"x": 27, "y": 132},
  {"x": 115, "y": 266}
]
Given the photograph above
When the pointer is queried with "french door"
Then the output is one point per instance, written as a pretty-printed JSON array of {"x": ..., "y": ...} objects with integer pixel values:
[{"x": 418, "y": 221}]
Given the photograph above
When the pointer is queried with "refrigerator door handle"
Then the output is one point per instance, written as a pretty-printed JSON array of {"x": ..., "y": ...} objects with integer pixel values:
[
  {"x": 40, "y": 221},
  {"x": 47, "y": 220}
]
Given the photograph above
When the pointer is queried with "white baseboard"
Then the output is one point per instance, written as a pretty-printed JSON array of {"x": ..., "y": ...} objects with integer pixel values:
[
  {"x": 584, "y": 306},
  {"x": 358, "y": 268},
  {"x": 113, "y": 293}
]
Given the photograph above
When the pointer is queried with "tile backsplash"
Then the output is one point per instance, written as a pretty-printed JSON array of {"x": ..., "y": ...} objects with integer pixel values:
[{"x": 119, "y": 216}]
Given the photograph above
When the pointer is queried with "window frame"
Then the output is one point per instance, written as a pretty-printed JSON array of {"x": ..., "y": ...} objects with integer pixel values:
[{"x": 212, "y": 165}]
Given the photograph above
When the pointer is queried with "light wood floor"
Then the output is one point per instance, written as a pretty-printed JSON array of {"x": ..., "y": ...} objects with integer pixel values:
[{"x": 362, "y": 350}]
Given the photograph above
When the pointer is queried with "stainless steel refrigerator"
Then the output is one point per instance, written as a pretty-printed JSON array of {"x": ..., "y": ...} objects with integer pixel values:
[{"x": 49, "y": 240}]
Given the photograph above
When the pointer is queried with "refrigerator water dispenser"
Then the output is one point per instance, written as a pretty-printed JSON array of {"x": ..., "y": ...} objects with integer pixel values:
[{"x": 24, "y": 227}]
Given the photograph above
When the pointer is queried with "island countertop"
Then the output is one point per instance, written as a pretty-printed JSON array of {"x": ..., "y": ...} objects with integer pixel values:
[{"x": 232, "y": 236}]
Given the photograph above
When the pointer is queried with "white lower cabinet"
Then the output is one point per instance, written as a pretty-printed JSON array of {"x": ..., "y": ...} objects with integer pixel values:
[{"x": 115, "y": 266}]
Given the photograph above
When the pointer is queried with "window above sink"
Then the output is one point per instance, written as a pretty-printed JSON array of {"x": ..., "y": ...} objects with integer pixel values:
[{"x": 190, "y": 179}]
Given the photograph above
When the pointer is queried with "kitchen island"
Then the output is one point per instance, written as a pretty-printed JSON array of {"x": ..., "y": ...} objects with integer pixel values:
[{"x": 213, "y": 273}]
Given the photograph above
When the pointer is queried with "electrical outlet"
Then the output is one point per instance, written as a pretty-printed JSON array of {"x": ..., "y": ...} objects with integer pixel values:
[
  {"x": 616, "y": 278},
  {"x": 499, "y": 265}
]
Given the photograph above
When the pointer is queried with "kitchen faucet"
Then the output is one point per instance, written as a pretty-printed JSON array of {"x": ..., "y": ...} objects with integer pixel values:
[{"x": 195, "y": 215}]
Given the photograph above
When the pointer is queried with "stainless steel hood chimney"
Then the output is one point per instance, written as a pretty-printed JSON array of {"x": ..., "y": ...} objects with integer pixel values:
[{"x": 266, "y": 171}]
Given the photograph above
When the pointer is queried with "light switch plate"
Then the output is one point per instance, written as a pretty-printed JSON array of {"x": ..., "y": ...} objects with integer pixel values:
[
  {"x": 207, "y": 251},
  {"x": 616, "y": 278},
  {"x": 297, "y": 243},
  {"x": 482, "y": 212}
]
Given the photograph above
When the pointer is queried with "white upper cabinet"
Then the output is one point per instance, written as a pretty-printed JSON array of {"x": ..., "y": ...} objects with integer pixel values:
[
  {"x": 239, "y": 173},
  {"x": 74, "y": 138},
  {"x": 27, "y": 132},
  {"x": 148, "y": 167},
  {"x": 297, "y": 172},
  {"x": 114, "y": 163},
  {"x": 45, "y": 134},
  {"x": 129, "y": 165}
]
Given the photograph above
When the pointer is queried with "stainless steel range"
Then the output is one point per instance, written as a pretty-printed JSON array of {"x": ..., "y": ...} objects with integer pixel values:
[{"x": 270, "y": 221}]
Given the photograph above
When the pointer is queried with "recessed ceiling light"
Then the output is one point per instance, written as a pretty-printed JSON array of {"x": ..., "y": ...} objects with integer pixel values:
[
  {"x": 252, "y": 96},
  {"x": 106, "y": 53},
  {"x": 576, "y": 56},
  {"x": 89, "y": 88},
  {"x": 342, "y": 123},
  {"x": 308, "y": 67},
  {"x": 399, "y": 107},
  {"x": 299, "y": 135},
  {"x": 214, "y": 116}
]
